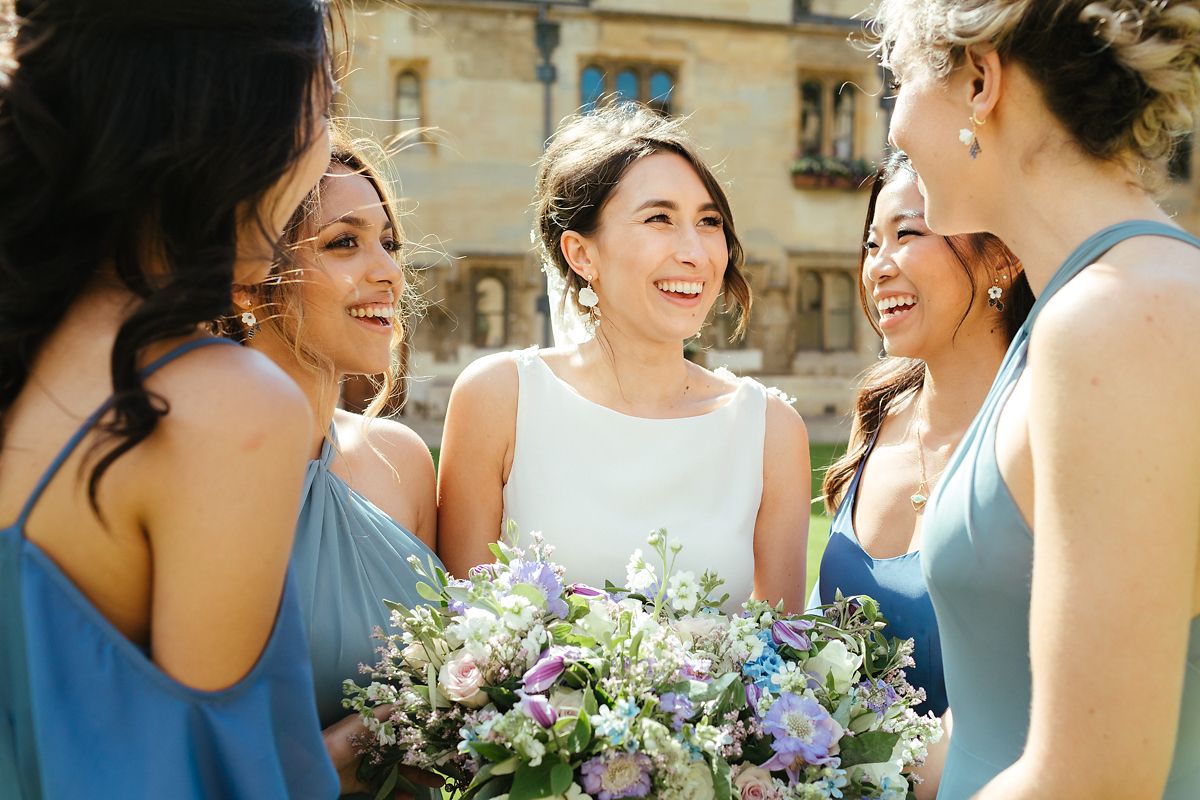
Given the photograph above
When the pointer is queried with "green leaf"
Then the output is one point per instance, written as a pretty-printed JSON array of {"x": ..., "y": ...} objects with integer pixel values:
[
  {"x": 589, "y": 703},
  {"x": 530, "y": 593},
  {"x": 581, "y": 735},
  {"x": 489, "y": 750},
  {"x": 872, "y": 747},
  {"x": 531, "y": 783},
  {"x": 389, "y": 784},
  {"x": 722, "y": 785},
  {"x": 427, "y": 592},
  {"x": 497, "y": 552},
  {"x": 502, "y": 696},
  {"x": 560, "y": 778}
]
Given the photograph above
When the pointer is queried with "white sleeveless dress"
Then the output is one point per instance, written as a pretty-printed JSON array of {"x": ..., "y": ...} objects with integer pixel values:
[{"x": 595, "y": 481}]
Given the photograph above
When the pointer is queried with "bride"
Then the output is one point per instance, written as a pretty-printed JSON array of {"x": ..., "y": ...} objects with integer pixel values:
[{"x": 597, "y": 443}]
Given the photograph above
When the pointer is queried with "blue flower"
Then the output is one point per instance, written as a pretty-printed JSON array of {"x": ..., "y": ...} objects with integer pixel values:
[
  {"x": 541, "y": 575},
  {"x": 765, "y": 669}
]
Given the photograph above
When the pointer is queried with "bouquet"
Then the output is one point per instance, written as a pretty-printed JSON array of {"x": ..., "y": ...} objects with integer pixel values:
[{"x": 517, "y": 684}]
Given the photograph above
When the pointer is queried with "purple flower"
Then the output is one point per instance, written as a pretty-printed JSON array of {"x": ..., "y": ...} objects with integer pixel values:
[
  {"x": 458, "y": 607},
  {"x": 877, "y": 695},
  {"x": 680, "y": 707},
  {"x": 542, "y": 575},
  {"x": 542, "y": 675},
  {"x": 620, "y": 775},
  {"x": 753, "y": 695},
  {"x": 802, "y": 733},
  {"x": 537, "y": 708},
  {"x": 583, "y": 590},
  {"x": 791, "y": 633},
  {"x": 696, "y": 669}
]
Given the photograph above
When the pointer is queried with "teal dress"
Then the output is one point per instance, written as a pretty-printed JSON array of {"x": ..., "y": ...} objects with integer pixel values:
[
  {"x": 349, "y": 557},
  {"x": 978, "y": 560},
  {"x": 84, "y": 712}
]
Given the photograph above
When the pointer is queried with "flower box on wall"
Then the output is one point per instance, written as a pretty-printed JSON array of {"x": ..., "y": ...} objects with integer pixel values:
[{"x": 822, "y": 172}]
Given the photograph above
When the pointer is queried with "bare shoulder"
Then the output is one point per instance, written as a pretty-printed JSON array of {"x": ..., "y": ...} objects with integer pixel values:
[
  {"x": 394, "y": 442},
  {"x": 489, "y": 379},
  {"x": 784, "y": 421}
]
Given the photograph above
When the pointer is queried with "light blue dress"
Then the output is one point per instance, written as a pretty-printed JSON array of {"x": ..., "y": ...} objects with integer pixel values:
[
  {"x": 84, "y": 712},
  {"x": 349, "y": 557},
  {"x": 978, "y": 565},
  {"x": 896, "y": 583}
]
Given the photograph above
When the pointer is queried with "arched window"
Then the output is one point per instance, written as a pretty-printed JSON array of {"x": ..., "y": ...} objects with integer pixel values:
[
  {"x": 812, "y": 118},
  {"x": 591, "y": 88},
  {"x": 627, "y": 85},
  {"x": 662, "y": 87},
  {"x": 407, "y": 111},
  {"x": 843, "y": 122},
  {"x": 809, "y": 327},
  {"x": 490, "y": 303},
  {"x": 840, "y": 320}
]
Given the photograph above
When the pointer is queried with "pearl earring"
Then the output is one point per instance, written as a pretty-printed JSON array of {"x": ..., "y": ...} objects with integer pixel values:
[{"x": 969, "y": 136}]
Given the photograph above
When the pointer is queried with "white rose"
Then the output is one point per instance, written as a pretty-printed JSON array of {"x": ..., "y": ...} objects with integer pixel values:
[
  {"x": 415, "y": 656},
  {"x": 460, "y": 679},
  {"x": 700, "y": 626},
  {"x": 834, "y": 659},
  {"x": 885, "y": 775},
  {"x": 753, "y": 783},
  {"x": 697, "y": 782},
  {"x": 566, "y": 702}
]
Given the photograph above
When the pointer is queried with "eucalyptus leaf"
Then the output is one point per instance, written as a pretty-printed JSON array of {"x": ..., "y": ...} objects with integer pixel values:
[
  {"x": 872, "y": 747},
  {"x": 427, "y": 592}
]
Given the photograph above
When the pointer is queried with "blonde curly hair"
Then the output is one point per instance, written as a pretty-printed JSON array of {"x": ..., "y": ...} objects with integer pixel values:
[{"x": 1122, "y": 76}]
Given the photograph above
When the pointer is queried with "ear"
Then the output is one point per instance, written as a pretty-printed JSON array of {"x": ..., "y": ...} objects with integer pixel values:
[
  {"x": 580, "y": 253},
  {"x": 985, "y": 82},
  {"x": 244, "y": 297}
]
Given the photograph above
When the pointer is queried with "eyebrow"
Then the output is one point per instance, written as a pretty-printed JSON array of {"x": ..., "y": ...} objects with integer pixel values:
[
  {"x": 353, "y": 220},
  {"x": 672, "y": 205},
  {"x": 901, "y": 216}
]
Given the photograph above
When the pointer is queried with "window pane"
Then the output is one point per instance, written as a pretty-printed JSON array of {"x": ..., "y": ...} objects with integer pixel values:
[
  {"x": 408, "y": 101},
  {"x": 812, "y": 125},
  {"x": 662, "y": 88},
  {"x": 843, "y": 130},
  {"x": 627, "y": 85},
  {"x": 591, "y": 88},
  {"x": 841, "y": 313},
  {"x": 491, "y": 301},
  {"x": 808, "y": 312}
]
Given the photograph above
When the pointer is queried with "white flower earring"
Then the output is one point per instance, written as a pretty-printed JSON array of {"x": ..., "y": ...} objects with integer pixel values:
[
  {"x": 250, "y": 323},
  {"x": 590, "y": 300},
  {"x": 969, "y": 136},
  {"x": 995, "y": 293}
]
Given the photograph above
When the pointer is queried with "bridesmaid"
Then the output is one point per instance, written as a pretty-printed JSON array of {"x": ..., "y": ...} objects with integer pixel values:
[
  {"x": 150, "y": 637},
  {"x": 1062, "y": 548},
  {"x": 946, "y": 308},
  {"x": 597, "y": 444},
  {"x": 336, "y": 307}
]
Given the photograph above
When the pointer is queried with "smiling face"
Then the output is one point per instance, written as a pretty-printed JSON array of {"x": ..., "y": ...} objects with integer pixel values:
[
  {"x": 659, "y": 255},
  {"x": 918, "y": 286},
  {"x": 350, "y": 276}
]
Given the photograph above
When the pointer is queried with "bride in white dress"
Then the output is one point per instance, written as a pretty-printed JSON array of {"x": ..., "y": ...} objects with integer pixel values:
[{"x": 596, "y": 443}]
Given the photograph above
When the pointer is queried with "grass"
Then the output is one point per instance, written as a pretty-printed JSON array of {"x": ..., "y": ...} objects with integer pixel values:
[{"x": 821, "y": 455}]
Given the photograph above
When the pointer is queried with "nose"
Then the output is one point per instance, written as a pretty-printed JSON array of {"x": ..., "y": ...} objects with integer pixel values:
[
  {"x": 386, "y": 267},
  {"x": 689, "y": 248},
  {"x": 878, "y": 267}
]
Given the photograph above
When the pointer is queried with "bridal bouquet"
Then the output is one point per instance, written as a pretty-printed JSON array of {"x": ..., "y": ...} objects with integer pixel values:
[{"x": 515, "y": 684}]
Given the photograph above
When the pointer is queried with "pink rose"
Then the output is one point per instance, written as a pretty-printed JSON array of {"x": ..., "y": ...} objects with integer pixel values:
[
  {"x": 460, "y": 679},
  {"x": 754, "y": 783}
]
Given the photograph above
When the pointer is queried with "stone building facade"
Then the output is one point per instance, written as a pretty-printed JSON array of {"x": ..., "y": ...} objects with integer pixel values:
[{"x": 785, "y": 106}]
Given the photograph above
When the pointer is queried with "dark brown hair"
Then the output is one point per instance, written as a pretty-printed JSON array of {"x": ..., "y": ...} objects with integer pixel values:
[
  {"x": 894, "y": 377},
  {"x": 583, "y": 166}
]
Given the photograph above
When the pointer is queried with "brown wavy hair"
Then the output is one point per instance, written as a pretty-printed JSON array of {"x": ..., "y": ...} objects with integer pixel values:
[
  {"x": 583, "y": 166},
  {"x": 893, "y": 377}
]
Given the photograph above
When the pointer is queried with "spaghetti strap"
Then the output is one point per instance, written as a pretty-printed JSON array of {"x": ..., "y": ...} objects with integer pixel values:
[{"x": 94, "y": 417}]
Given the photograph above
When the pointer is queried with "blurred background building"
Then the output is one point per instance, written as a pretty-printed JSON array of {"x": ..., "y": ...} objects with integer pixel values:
[{"x": 788, "y": 109}]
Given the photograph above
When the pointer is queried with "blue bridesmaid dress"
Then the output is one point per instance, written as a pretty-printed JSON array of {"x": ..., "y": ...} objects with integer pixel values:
[
  {"x": 979, "y": 564},
  {"x": 896, "y": 583},
  {"x": 349, "y": 557},
  {"x": 84, "y": 712}
]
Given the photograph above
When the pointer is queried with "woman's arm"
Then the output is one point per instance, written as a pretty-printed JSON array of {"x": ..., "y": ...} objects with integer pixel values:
[
  {"x": 781, "y": 531},
  {"x": 1115, "y": 442},
  {"x": 477, "y": 451}
]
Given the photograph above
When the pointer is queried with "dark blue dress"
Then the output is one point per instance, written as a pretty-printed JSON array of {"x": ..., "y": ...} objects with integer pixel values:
[
  {"x": 84, "y": 712},
  {"x": 898, "y": 586}
]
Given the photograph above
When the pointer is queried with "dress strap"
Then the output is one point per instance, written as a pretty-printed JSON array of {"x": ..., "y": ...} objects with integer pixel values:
[
  {"x": 1097, "y": 245},
  {"x": 95, "y": 416}
]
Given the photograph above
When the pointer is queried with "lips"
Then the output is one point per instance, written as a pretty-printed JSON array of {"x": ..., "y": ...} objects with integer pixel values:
[{"x": 375, "y": 315}]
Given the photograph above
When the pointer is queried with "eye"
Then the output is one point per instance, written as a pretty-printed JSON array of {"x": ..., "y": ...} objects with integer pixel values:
[
  {"x": 869, "y": 245},
  {"x": 344, "y": 242},
  {"x": 658, "y": 218},
  {"x": 713, "y": 222},
  {"x": 900, "y": 234},
  {"x": 393, "y": 245}
]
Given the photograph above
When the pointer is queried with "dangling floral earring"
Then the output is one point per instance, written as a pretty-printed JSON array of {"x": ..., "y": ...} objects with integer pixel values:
[
  {"x": 995, "y": 293},
  {"x": 591, "y": 301},
  {"x": 250, "y": 322},
  {"x": 969, "y": 137}
]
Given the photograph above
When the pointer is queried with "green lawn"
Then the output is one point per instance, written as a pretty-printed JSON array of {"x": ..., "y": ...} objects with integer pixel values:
[{"x": 822, "y": 456}]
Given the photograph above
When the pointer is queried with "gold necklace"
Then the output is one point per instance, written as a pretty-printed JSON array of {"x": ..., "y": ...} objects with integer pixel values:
[{"x": 920, "y": 497}]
